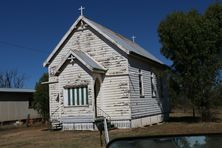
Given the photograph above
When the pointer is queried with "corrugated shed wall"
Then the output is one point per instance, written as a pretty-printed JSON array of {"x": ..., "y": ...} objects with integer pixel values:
[{"x": 15, "y": 106}]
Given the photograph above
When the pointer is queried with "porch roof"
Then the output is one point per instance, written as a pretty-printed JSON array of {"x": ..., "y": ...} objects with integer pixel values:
[{"x": 84, "y": 58}]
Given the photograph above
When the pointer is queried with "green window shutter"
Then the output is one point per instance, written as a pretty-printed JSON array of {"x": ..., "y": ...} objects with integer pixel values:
[
  {"x": 73, "y": 96},
  {"x": 82, "y": 96},
  {"x": 77, "y": 89},
  {"x": 68, "y": 96},
  {"x": 87, "y": 102}
]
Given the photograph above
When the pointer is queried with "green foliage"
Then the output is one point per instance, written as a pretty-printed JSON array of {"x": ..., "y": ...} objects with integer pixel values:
[
  {"x": 193, "y": 41},
  {"x": 41, "y": 97}
]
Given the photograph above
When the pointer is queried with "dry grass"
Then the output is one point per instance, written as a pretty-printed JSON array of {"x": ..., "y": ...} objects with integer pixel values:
[{"x": 38, "y": 136}]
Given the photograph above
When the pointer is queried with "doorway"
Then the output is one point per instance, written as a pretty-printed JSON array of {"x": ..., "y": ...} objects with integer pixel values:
[{"x": 96, "y": 92}]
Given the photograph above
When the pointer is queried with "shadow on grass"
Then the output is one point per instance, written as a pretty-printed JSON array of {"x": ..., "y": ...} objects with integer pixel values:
[
  {"x": 49, "y": 129},
  {"x": 186, "y": 119},
  {"x": 215, "y": 119},
  {"x": 46, "y": 129},
  {"x": 190, "y": 119}
]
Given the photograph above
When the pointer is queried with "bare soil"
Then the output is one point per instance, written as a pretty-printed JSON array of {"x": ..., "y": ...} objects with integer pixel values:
[{"x": 39, "y": 136}]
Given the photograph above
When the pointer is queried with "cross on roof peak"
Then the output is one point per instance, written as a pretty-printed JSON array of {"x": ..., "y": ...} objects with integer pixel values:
[
  {"x": 133, "y": 37},
  {"x": 71, "y": 58},
  {"x": 81, "y": 10}
]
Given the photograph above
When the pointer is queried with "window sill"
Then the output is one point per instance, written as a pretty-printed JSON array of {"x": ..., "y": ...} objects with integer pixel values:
[{"x": 73, "y": 106}]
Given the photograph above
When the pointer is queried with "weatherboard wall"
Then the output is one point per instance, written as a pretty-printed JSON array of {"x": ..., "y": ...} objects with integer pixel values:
[
  {"x": 113, "y": 97},
  {"x": 119, "y": 94},
  {"x": 54, "y": 99},
  {"x": 147, "y": 105},
  {"x": 74, "y": 74}
]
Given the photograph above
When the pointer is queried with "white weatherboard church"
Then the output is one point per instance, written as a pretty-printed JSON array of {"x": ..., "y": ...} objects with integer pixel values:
[{"x": 96, "y": 72}]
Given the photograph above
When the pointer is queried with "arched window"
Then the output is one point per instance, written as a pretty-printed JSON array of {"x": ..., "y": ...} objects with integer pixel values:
[
  {"x": 153, "y": 85},
  {"x": 141, "y": 89}
]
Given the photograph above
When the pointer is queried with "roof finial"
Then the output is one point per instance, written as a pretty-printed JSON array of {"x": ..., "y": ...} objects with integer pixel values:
[
  {"x": 133, "y": 37},
  {"x": 71, "y": 58},
  {"x": 81, "y": 10}
]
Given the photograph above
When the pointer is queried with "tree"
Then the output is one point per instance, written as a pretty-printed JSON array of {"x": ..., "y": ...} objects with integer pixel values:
[
  {"x": 11, "y": 79},
  {"x": 193, "y": 42},
  {"x": 41, "y": 98}
]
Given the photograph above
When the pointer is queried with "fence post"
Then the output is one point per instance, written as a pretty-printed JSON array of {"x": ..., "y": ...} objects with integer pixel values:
[{"x": 106, "y": 131}]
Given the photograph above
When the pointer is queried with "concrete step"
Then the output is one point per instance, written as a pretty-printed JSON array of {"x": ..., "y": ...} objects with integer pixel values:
[
  {"x": 99, "y": 121},
  {"x": 56, "y": 125}
]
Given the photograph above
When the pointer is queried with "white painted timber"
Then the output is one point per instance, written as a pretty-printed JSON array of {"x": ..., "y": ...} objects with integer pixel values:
[
  {"x": 118, "y": 96},
  {"x": 148, "y": 105}
]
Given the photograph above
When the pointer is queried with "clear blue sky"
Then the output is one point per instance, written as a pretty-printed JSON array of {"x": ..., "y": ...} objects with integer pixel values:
[{"x": 40, "y": 24}]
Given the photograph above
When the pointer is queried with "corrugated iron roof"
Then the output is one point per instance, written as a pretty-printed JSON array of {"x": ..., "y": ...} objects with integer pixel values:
[
  {"x": 84, "y": 59},
  {"x": 124, "y": 42},
  {"x": 88, "y": 60},
  {"x": 20, "y": 90}
]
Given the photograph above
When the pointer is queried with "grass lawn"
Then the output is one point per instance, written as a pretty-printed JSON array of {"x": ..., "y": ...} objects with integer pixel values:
[{"x": 38, "y": 136}]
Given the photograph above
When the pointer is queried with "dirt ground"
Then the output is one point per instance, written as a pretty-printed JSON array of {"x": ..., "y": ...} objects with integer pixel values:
[{"x": 39, "y": 136}]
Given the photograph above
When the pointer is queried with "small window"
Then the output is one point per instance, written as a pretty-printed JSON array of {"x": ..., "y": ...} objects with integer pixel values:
[
  {"x": 77, "y": 96},
  {"x": 141, "y": 84},
  {"x": 153, "y": 86}
]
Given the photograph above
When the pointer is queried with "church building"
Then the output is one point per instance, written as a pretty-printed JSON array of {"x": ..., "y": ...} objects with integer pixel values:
[{"x": 95, "y": 72}]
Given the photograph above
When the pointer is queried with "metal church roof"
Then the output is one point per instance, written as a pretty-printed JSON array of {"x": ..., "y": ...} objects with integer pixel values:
[
  {"x": 127, "y": 44},
  {"x": 88, "y": 60},
  {"x": 123, "y": 43}
]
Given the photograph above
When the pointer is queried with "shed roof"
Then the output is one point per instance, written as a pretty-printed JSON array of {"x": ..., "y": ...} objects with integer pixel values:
[
  {"x": 19, "y": 90},
  {"x": 123, "y": 43}
]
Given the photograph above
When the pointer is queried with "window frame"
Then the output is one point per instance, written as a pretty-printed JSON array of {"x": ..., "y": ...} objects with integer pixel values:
[
  {"x": 153, "y": 88},
  {"x": 76, "y": 101},
  {"x": 141, "y": 84}
]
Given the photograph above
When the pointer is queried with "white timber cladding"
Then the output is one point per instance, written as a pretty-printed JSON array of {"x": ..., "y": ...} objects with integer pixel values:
[
  {"x": 97, "y": 48},
  {"x": 73, "y": 74},
  {"x": 146, "y": 105},
  {"x": 54, "y": 105},
  {"x": 113, "y": 97},
  {"x": 125, "y": 90}
]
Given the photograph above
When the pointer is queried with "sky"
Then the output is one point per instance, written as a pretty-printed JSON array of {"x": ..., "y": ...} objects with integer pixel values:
[{"x": 30, "y": 29}]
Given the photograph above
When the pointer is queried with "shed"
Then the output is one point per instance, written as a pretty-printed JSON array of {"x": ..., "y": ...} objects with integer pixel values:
[{"x": 15, "y": 104}]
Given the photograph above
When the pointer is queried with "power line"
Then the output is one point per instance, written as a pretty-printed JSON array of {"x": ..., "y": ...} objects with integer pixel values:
[{"x": 22, "y": 46}]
